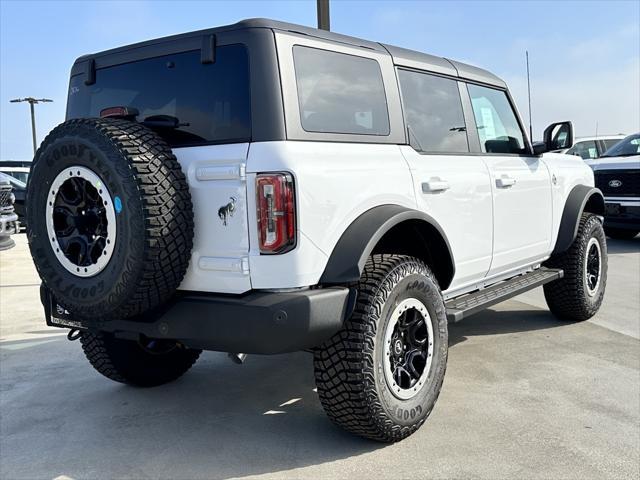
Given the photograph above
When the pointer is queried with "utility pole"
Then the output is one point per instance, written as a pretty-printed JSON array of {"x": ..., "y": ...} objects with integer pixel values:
[
  {"x": 32, "y": 101},
  {"x": 529, "y": 92},
  {"x": 323, "y": 15}
]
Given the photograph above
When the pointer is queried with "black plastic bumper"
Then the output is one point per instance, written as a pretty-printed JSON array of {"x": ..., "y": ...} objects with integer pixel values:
[
  {"x": 618, "y": 215},
  {"x": 257, "y": 322}
]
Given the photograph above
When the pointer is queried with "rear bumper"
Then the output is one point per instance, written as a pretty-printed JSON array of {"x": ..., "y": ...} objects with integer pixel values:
[
  {"x": 257, "y": 322},
  {"x": 622, "y": 213}
]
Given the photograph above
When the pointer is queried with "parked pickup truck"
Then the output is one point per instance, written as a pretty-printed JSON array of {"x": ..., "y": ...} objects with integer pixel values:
[
  {"x": 617, "y": 175},
  {"x": 263, "y": 188}
]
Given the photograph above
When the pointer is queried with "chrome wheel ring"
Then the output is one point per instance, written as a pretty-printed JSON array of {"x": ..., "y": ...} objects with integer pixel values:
[
  {"x": 593, "y": 266},
  {"x": 81, "y": 221},
  {"x": 408, "y": 348}
]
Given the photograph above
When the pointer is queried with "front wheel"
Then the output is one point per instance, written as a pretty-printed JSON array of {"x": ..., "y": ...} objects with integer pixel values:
[
  {"x": 578, "y": 295},
  {"x": 380, "y": 376}
]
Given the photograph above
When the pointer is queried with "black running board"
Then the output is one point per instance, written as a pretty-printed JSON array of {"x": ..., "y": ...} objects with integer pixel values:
[{"x": 461, "y": 307}]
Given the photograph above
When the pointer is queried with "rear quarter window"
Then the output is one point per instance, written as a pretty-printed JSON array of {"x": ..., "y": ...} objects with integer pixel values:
[
  {"x": 340, "y": 93},
  {"x": 210, "y": 101}
]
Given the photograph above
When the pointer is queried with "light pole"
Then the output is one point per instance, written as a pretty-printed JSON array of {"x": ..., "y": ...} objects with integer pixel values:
[
  {"x": 32, "y": 101},
  {"x": 323, "y": 14}
]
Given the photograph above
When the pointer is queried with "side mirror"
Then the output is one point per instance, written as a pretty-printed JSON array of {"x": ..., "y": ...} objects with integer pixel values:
[{"x": 558, "y": 136}]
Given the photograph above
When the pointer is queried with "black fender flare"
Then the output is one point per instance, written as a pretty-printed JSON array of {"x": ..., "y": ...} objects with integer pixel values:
[
  {"x": 581, "y": 198},
  {"x": 347, "y": 260}
]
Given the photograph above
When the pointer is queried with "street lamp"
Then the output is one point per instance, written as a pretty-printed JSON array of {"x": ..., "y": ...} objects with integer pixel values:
[
  {"x": 323, "y": 14},
  {"x": 32, "y": 101}
]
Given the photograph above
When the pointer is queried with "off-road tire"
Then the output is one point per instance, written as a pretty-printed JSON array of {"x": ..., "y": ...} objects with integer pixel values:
[
  {"x": 620, "y": 234},
  {"x": 154, "y": 227},
  {"x": 125, "y": 361},
  {"x": 349, "y": 367},
  {"x": 568, "y": 297}
]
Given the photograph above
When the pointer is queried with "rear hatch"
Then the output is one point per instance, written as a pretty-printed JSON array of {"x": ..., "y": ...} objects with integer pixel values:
[{"x": 203, "y": 111}]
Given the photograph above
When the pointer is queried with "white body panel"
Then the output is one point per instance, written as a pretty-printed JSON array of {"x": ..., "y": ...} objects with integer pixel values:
[
  {"x": 522, "y": 208},
  {"x": 456, "y": 191},
  {"x": 219, "y": 258},
  {"x": 566, "y": 172},
  {"x": 335, "y": 183},
  {"x": 492, "y": 232}
]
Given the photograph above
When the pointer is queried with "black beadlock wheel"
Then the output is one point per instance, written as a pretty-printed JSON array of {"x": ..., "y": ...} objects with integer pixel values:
[
  {"x": 380, "y": 376},
  {"x": 110, "y": 220},
  {"x": 144, "y": 363},
  {"x": 578, "y": 295}
]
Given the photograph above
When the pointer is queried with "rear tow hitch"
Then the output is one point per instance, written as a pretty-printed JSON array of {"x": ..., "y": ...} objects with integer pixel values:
[{"x": 74, "y": 334}]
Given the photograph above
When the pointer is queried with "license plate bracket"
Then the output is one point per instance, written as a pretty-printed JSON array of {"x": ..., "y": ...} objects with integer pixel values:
[{"x": 58, "y": 316}]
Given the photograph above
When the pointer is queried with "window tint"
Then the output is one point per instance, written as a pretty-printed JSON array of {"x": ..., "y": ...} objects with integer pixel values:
[
  {"x": 210, "y": 101},
  {"x": 433, "y": 112},
  {"x": 587, "y": 150},
  {"x": 339, "y": 93},
  {"x": 496, "y": 121},
  {"x": 608, "y": 143}
]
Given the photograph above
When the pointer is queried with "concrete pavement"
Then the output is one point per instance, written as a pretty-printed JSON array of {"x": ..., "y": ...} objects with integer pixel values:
[{"x": 525, "y": 396}]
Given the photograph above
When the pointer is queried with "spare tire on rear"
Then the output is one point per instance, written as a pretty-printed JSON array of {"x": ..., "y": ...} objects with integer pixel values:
[{"x": 110, "y": 219}]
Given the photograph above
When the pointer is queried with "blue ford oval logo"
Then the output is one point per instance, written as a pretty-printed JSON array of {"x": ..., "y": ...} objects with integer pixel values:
[{"x": 615, "y": 183}]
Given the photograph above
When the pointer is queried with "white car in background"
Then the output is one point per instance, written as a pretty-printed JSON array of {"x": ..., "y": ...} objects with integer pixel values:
[{"x": 590, "y": 148}]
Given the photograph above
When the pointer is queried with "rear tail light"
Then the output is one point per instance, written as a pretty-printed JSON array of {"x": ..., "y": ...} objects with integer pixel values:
[{"x": 276, "y": 212}]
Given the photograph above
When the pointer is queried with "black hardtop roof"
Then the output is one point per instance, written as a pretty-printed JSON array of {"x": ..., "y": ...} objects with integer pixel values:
[{"x": 401, "y": 56}]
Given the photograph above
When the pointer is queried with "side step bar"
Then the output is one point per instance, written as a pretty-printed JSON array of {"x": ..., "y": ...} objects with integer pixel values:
[{"x": 461, "y": 307}]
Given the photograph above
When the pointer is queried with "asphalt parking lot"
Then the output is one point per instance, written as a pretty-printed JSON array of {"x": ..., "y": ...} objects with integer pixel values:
[{"x": 525, "y": 396}]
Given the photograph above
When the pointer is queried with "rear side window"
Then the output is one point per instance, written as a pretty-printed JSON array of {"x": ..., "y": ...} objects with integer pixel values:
[
  {"x": 497, "y": 124},
  {"x": 433, "y": 112},
  {"x": 340, "y": 93},
  {"x": 211, "y": 102}
]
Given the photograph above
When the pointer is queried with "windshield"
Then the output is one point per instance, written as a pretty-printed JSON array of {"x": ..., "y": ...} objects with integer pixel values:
[
  {"x": 625, "y": 148},
  {"x": 194, "y": 103}
]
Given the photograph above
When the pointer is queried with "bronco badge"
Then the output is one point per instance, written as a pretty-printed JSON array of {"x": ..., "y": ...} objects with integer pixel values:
[{"x": 227, "y": 211}]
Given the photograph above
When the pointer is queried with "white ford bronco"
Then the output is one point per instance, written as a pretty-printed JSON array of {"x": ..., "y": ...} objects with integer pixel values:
[{"x": 264, "y": 187}]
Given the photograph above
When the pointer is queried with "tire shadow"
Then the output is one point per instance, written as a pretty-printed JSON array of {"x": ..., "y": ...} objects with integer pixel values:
[{"x": 496, "y": 322}]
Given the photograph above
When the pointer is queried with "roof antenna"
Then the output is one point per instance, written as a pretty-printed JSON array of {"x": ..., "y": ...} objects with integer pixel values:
[
  {"x": 323, "y": 15},
  {"x": 529, "y": 93}
]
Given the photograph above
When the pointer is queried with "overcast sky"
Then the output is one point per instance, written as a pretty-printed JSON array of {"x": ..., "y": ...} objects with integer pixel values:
[{"x": 585, "y": 56}]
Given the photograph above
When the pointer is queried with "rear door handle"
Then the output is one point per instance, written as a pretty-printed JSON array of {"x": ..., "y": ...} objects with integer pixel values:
[
  {"x": 435, "y": 185},
  {"x": 505, "y": 181}
]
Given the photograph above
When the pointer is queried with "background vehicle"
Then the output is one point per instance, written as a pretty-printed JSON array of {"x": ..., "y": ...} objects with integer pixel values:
[
  {"x": 266, "y": 187},
  {"x": 617, "y": 174},
  {"x": 8, "y": 219},
  {"x": 590, "y": 148},
  {"x": 19, "y": 194},
  {"x": 17, "y": 169}
]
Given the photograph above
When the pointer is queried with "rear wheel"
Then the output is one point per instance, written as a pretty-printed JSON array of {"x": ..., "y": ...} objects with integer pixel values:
[
  {"x": 380, "y": 376},
  {"x": 620, "y": 234},
  {"x": 578, "y": 295},
  {"x": 145, "y": 362}
]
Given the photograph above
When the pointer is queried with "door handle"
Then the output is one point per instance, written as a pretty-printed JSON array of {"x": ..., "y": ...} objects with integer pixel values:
[
  {"x": 505, "y": 181},
  {"x": 435, "y": 185}
]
